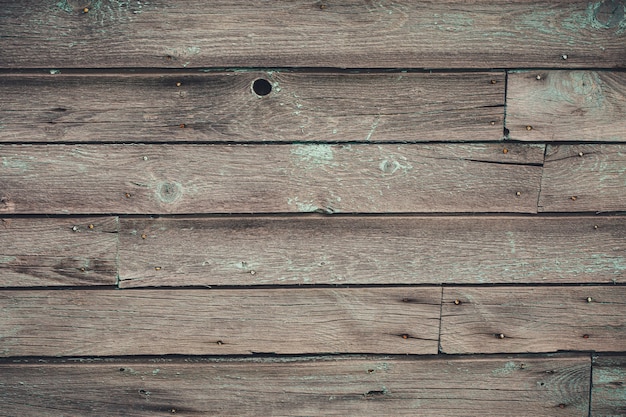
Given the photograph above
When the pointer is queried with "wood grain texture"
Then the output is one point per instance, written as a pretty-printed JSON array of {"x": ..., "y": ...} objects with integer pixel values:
[
  {"x": 533, "y": 319},
  {"x": 159, "y": 322},
  {"x": 39, "y": 252},
  {"x": 566, "y": 106},
  {"x": 608, "y": 396},
  {"x": 594, "y": 181},
  {"x": 223, "y": 107},
  {"x": 329, "y": 386},
  {"x": 143, "y": 179},
  {"x": 366, "y": 250},
  {"x": 403, "y": 33}
]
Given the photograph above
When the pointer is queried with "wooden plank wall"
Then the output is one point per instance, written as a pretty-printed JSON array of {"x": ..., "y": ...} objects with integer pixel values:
[{"x": 313, "y": 208}]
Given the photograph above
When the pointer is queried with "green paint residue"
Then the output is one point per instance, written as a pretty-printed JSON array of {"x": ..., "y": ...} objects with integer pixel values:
[
  {"x": 7, "y": 259},
  {"x": 11, "y": 163},
  {"x": 506, "y": 370},
  {"x": 65, "y": 6}
]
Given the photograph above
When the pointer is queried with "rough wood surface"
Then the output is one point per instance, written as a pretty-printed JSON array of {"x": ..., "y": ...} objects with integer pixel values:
[
  {"x": 141, "y": 179},
  {"x": 594, "y": 181},
  {"x": 533, "y": 319},
  {"x": 224, "y": 107},
  {"x": 354, "y": 386},
  {"x": 39, "y": 251},
  {"x": 567, "y": 106},
  {"x": 159, "y": 322},
  {"x": 608, "y": 396},
  {"x": 366, "y": 250},
  {"x": 310, "y": 33}
]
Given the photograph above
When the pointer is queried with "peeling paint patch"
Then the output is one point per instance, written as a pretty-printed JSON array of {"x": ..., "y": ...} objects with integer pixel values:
[
  {"x": 303, "y": 207},
  {"x": 314, "y": 154}
]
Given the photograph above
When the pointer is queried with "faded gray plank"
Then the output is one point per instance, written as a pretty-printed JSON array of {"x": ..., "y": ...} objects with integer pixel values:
[
  {"x": 608, "y": 396},
  {"x": 159, "y": 322},
  {"x": 224, "y": 107},
  {"x": 269, "y": 178},
  {"x": 366, "y": 250},
  {"x": 39, "y": 252},
  {"x": 566, "y": 105},
  {"x": 403, "y": 33},
  {"x": 332, "y": 386},
  {"x": 584, "y": 178},
  {"x": 533, "y": 319}
]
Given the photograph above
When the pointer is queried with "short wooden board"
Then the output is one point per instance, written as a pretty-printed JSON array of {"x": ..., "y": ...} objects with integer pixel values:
[
  {"x": 146, "y": 179},
  {"x": 371, "y": 250},
  {"x": 608, "y": 395},
  {"x": 566, "y": 106},
  {"x": 533, "y": 319},
  {"x": 589, "y": 178},
  {"x": 219, "y": 322},
  {"x": 320, "y": 33},
  {"x": 42, "y": 251},
  {"x": 223, "y": 107},
  {"x": 337, "y": 386}
]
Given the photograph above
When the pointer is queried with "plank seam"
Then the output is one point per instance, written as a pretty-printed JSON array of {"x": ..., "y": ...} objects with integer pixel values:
[
  {"x": 439, "y": 348},
  {"x": 543, "y": 168},
  {"x": 590, "y": 382}
]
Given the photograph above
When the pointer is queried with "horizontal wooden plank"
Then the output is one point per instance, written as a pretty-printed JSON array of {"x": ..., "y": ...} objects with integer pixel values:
[
  {"x": 584, "y": 178},
  {"x": 608, "y": 395},
  {"x": 224, "y": 107},
  {"x": 39, "y": 252},
  {"x": 533, "y": 319},
  {"x": 366, "y": 250},
  {"x": 159, "y": 322},
  {"x": 566, "y": 106},
  {"x": 402, "y": 33},
  {"x": 333, "y": 386},
  {"x": 141, "y": 179}
]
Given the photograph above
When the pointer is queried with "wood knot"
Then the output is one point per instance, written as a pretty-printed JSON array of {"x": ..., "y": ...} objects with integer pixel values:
[{"x": 169, "y": 192}]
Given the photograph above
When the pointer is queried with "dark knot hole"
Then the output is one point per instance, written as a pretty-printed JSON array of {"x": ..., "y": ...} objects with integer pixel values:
[{"x": 261, "y": 87}]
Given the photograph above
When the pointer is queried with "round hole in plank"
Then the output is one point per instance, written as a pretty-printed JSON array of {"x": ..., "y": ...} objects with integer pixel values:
[{"x": 261, "y": 87}]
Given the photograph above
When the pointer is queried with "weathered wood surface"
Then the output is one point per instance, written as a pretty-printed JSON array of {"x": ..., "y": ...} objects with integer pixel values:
[
  {"x": 159, "y": 322},
  {"x": 608, "y": 396},
  {"x": 381, "y": 386},
  {"x": 566, "y": 106},
  {"x": 39, "y": 252},
  {"x": 224, "y": 107},
  {"x": 403, "y": 33},
  {"x": 533, "y": 319},
  {"x": 366, "y": 250},
  {"x": 595, "y": 181},
  {"x": 141, "y": 179}
]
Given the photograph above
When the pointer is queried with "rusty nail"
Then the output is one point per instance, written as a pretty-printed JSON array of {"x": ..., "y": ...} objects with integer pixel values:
[
  {"x": 492, "y": 123},
  {"x": 580, "y": 154},
  {"x": 405, "y": 336},
  {"x": 529, "y": 127},
  {"x": 457, "y": 302},
  {"x": 573, "y": 198},
  {"x": 127, "y": 195},
  {"x": 538, "y": 77},
  {"x": 595, "y": 226},
  {"x": 143, "y": 236},
  {"x": 589, "y": 299},
  {"x": 157, "y": 268},
  {"x": 90, "y": 226},
  {"x": 178, "y": 84},
  {"x": 518, "y": 193},
  {"x": 505, "y": 150},
  {"x": 493, "y": 81},
  {"x": 75, "y": 228},
  {"x": 585, "y": 336},
  {"x": 501, "y": 336},
  {"x": 86, "y": 10},
  {"x": 564, "y": 57}
]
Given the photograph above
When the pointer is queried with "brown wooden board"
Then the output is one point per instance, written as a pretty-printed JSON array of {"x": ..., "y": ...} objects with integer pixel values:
[
  {"x": 313, "y": 33},
  {"x": 141, "y": 179},
  {"x": 608, "y": 396},
  {"x": 333, "y": 386},
  {"x": 224, "y": 107},
  {"x": 566, "y": 106},
  {"x": 371, "y": 250},
  {"x": 595, "y": 181},
  {"x": 159, "y": 322},
  {"x": 533, "y": 319},
  {"x": 40, "y": 251}
]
